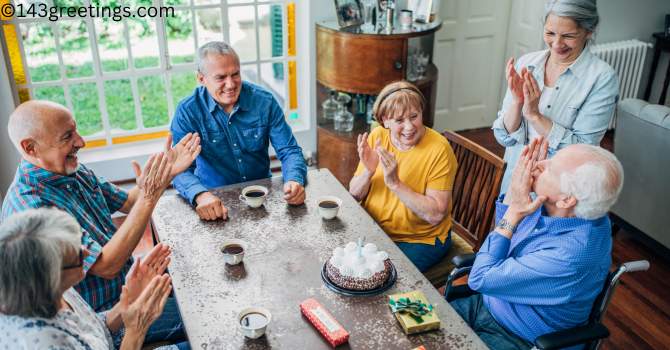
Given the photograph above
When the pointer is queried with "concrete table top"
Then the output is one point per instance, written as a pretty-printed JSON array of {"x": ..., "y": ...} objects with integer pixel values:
[{"x": 287, "y": 247}]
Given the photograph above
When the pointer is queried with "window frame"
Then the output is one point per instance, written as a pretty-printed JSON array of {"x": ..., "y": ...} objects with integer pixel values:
[{"x": 109, "y": 138}]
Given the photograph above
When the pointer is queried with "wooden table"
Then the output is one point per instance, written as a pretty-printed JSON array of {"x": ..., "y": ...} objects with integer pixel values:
[{"x": 287, "y": 249}]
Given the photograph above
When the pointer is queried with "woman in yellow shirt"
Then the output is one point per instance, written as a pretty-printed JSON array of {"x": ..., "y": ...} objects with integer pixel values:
[{"x": 405, "y": 176}]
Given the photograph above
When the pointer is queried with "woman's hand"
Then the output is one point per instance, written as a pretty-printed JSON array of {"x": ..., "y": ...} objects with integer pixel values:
[
  {"x": 140, "y": 314},
  {"x": 367, "y": 156},
  {"x": 515, "y": 82},
  {"x": 145, "y": 269},
  {"x": 531, "y": 97},
  {"x": 389, "y": 167},
  {"x": 518, "y": 196}
]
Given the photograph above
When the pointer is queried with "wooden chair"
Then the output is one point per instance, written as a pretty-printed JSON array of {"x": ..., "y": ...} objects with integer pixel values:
[{"x": 476, "y": 188}]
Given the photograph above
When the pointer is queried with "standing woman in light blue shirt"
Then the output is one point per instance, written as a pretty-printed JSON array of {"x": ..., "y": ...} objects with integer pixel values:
[{"x": 564, "y": 93}]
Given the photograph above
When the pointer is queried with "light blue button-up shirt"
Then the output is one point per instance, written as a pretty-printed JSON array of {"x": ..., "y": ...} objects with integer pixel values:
[
  {"x": 581, "y": 106},
  {"x": 547, "y": 276},
  {"x": 235, "y": 146}
]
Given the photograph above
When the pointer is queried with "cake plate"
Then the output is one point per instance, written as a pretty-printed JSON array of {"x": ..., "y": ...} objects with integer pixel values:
[{"x": 359, "y": 293}]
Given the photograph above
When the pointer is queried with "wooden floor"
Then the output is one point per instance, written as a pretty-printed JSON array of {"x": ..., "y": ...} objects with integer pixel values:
[{"x": 638, "y": 316}]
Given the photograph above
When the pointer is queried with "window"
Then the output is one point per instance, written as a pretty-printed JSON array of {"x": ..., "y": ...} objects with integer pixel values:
[{"x": 123, "y": 79}]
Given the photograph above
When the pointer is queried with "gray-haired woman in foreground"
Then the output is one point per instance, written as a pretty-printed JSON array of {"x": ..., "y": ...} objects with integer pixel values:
[{"x": 41, "y": 260}]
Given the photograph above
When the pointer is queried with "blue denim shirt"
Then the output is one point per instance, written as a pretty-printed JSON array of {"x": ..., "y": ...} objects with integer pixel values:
[
  {"x": 547, "y": 276},
  {"x": 580, "y": 108},
  {"x": 235, "y": 146}
]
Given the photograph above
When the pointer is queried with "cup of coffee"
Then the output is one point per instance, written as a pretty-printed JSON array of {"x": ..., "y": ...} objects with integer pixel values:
[
  {"x": 329, "y": 206},
  {"x": 254, "y": 196},
  {"x": 233, "y": 251},
  {"x": 253, "y": 321}
]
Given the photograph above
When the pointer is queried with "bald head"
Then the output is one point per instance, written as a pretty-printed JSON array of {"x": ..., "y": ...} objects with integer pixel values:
[
  {"x": 46, "y": 135},
  {"x": 32, "y": 119},
  {"x": 593, "y": 176}
]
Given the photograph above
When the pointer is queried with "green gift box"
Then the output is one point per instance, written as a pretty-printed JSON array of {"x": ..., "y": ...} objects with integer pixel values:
[{"x": 413, "y": 312}]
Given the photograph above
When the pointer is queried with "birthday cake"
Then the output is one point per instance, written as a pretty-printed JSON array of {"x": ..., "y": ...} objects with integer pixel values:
[{"x": 358, "y": 267}]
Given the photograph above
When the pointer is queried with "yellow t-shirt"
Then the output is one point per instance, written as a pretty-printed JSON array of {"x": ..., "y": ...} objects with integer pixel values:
[{"x": 430, "y": 164}]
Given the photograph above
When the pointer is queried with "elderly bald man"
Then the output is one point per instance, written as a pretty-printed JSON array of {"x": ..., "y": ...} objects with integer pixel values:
[
  {"x": 544, "y": 264},
  {"x": 50, "y": 175}
]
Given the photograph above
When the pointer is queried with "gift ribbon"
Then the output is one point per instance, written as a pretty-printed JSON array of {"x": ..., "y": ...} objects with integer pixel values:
[{"x": 416, "y": 309}]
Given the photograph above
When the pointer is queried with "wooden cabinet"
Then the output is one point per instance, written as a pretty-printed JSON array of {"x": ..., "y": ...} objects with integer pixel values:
[{"x": 356, "y": 62}]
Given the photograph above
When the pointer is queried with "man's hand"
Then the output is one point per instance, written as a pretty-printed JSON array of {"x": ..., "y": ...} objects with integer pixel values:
[
  {"x": 183, "y": 153},
  {"x": 518, "y": 196},
  {"x": 145, "y": 269},
  {"x": 366, "y": 154},
  {"x": 155, "y": 178},
  {"x": 294, "y": 193},
  {"x": 210, "y": 207},
  {"x": 389, "y": 167}
]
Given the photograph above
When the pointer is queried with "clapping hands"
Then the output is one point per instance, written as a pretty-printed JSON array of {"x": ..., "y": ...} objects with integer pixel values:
[
  {"x": 518, "y": 196},
  {"x": 525, "y": 90}
]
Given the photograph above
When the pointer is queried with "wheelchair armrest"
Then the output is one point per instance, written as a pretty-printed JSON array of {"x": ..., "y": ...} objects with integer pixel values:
[
  {"x": 464, "y": 260},
  {"x": 572, "y": 336}
]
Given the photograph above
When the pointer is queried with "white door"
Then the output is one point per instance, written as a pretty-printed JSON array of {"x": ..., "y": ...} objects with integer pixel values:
[
  {"x": 525, "y": 31},
  {"x": 470, "y": 56}
]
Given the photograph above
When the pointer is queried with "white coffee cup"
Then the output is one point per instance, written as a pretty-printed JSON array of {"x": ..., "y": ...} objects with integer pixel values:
[
  {"x": 254, "y": 326},
  {"x": 249, "y": 195},
  {"x": 233, "y": 258},
  {"x": 328, "y": 206}
]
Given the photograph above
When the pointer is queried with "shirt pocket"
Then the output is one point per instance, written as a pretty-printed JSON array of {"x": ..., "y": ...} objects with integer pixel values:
[
  {"x": 253, "y": 139},
  {"x": 214, "y": 138}
]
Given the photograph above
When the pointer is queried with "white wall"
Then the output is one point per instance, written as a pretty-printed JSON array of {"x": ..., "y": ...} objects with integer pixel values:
[
  {"x": 8, "y": 156},
  {"x": 628, "y": 19}
]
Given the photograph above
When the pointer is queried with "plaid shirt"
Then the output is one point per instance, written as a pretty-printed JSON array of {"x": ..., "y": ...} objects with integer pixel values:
[{"x": 89, "y": 199}]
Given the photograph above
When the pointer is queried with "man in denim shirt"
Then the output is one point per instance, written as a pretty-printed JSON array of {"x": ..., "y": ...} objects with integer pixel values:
[
  {"x": 235, "y": 120},
  {"x": 542, "y": 267}
]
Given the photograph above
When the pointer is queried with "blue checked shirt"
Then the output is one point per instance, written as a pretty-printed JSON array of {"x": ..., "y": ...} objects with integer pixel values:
[
  {"x": 235, "y": 146},
  {"x": 547, "y": 276},
  {"x": 89, "y": 199}
]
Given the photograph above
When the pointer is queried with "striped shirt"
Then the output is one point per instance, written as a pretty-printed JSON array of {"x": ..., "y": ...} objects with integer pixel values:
[{"x": 89, "y": 199}]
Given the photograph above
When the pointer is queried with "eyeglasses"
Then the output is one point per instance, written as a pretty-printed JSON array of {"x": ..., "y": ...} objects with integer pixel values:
[{"x": 79, "y": 264}]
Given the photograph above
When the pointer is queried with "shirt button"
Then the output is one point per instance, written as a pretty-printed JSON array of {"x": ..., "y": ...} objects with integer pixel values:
[
  {"x": 548, "y": 106},
  {"x": 214, "y": 141},
  {"x": 556, "y": 87},
  {"x": 234, "y": 144},
  {"x": 239, "y": 160},
  {"x": 230, "y": 123},
  {"x": 244, "y": 177}
]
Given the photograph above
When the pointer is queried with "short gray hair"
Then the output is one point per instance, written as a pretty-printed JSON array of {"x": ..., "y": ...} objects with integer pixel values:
[
  {"x": 32, "y": 246},
  {"x": 596, "y": 184},
  {"x": 214, "y": 47},
  {"x": 584, "y": 12}
]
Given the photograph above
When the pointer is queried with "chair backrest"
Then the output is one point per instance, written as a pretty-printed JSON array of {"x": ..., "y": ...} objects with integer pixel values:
[{"x": 475, "y": 189}]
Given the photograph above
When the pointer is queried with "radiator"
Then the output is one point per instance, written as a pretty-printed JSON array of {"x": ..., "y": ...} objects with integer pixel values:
[{"x": 627, "y": 57}]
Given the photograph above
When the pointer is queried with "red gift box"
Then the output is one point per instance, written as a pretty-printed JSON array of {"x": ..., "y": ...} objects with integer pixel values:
[{"x": 324, "y": 322}]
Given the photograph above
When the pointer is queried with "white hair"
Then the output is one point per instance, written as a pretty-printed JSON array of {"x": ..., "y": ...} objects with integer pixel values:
[
  {"x": 32, "y": 246},
  {"x": 584, "y": 12},
  {"x": 20, "y": 128},
  {"x": 214, "y": 47},
  {"x": 596, "y": 184}
]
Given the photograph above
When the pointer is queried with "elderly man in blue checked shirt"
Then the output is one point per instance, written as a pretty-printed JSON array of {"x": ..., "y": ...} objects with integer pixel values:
[
  {"x": 49, "y": 175},
  {"x": 235, "y": 119},
  {"x": 544, "y": 264}
]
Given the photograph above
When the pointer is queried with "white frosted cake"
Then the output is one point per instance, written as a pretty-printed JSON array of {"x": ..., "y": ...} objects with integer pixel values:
[{"x": 352, "y": 269}]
